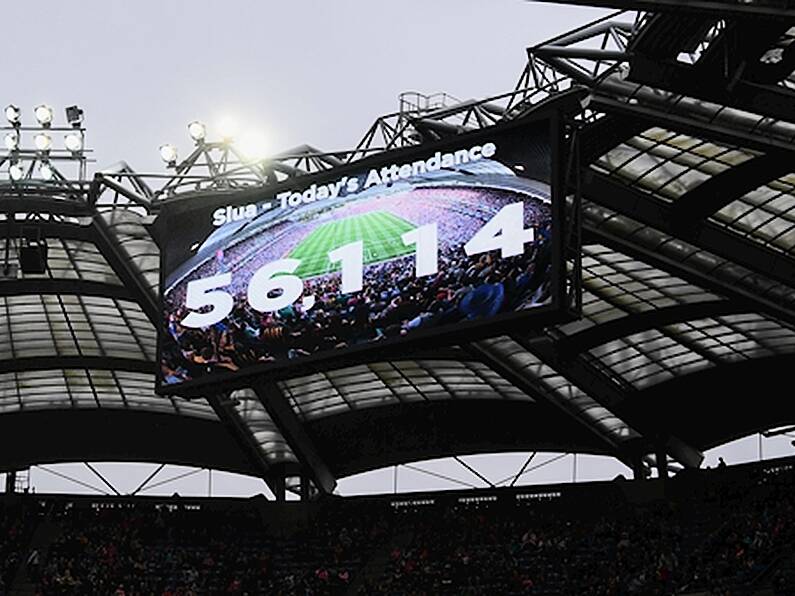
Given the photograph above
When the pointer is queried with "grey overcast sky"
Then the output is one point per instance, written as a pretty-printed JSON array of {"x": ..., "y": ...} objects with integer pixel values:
[{"x": 293, "y": 72}]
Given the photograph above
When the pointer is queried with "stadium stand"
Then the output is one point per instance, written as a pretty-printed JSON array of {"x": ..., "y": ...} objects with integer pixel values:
[
  {"x": 682, "y": 200},
  {"x": 722, "y": 531}
]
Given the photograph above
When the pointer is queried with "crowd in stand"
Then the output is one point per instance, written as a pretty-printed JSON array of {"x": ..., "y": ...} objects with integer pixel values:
[
  {"x": 717, "y": 543},
  {"x": 718, "y": 538},
  {"x": 172, "y": 551},
  {"x": 16, "y": 524},
  {"x": 393, "y": 301}
]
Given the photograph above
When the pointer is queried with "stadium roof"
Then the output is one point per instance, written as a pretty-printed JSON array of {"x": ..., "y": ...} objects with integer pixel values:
[{"x": 688, "y": 277}]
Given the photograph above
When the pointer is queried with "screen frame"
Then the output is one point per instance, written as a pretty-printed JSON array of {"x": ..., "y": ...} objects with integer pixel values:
[{"x": 421, "y": 340}]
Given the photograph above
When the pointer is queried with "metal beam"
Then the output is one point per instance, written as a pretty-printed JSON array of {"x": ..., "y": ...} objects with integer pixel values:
[
  {"x": 103, "y": 180},
  {"x": 784, "y": 9},
  {"x": 51, "y": 228},
  {"x": 244, "y": 439},
  {"x": 731, "y": 184},
  {"x": 523, "y": 468},
  {"x": 146, "y": 481},
  {"x": 56, "y": 362},
  {"x": 102, "y": 478},
  {"x": 687, "y": 123},
  {"x": 125, "y": 270},
  {"x": 522, "y": 382},
  {"x": 293, "y": 431},
  {"x": 488, "y": 482},
  {"x": 646, "y": 209},
  {"x": 57, "y": 286},
  {"x": 609, "y": 392},
  {"x": 765, "y": 99},
  {"x": 605, "y": 134}
]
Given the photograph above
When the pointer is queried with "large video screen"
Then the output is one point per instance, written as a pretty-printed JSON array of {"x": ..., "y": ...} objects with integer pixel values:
[{"x": 443, "y": 241}]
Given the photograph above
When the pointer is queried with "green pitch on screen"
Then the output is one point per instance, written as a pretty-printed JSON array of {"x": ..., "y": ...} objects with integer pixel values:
[{"x": 380, "y": 232}]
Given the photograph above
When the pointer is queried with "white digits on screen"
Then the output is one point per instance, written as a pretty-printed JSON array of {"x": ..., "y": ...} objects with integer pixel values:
[
  {"x": 505, "y": 232},
  {"x": 272, "y": 287},
  {"x": 427, "y": 251},
  {"x": 264, "y": 283},
  {"x": 199, "y": 295},
  {"x": 351, "y": 259}
]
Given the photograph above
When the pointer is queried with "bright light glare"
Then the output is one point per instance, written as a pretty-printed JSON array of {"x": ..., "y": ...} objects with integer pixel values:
[
  {"x": 253, "y": 146},
  {"x": 15, "y": 171},
  {"x": 228, "y": 127},
  {"x": 12, "y": 140},
  {"x": 168, "y": 153},
  {"x": 197, "y": 130},
  {"x": 13, "y": 114},
  {"x": 47, "y": 173},
  {"x": 73, "y": 142},
  {"x": 43, "y": 141},
  {"x": 43, "y": 114}
]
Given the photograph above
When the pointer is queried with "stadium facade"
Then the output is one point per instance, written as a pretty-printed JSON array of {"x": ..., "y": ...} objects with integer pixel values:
[{"x": 682, "y": 191}]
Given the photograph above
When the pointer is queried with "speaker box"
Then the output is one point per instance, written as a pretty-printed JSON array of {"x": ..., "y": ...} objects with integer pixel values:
[{"x": 33, "y": 258}]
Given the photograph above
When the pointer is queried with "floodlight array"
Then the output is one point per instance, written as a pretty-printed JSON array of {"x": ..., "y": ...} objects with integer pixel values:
[{"x": 22, "y": 160}]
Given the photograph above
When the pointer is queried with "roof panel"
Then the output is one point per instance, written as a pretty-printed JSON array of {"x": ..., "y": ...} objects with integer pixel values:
[
  {"x": 668, "y": 164},
  {"x": 766, "y": 215},
  {"x": 647, "y": 358},
  {"x": 70, "y": 388},
  {"x": 387, "y": 383},
  {"x": 558, "y": 389},
  {"x": 270, "y": 441},
  {"x": 72, "y": 325},
  {"x": 616, "y": 285}
]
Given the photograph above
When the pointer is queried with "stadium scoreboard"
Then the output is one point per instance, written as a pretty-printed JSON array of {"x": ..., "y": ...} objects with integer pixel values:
[{"x": 427, "y": 246}]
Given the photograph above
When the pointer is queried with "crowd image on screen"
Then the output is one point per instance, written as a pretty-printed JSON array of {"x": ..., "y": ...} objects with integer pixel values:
[{"x": 393, "y": 302}]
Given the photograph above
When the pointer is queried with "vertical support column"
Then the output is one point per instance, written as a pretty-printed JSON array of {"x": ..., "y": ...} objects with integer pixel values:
[
  {"x": 306, "y": 487},
  {"x": 11, "y": 481},
  {"x": 661, "y": 459},
  {"x": 638, "y": 469},
  {"x": 278, "y": 483},
  {"x": 296, "y": 435}
]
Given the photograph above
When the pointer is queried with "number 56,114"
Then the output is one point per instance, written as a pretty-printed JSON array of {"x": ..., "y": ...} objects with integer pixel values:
[{"x": 273, "y": 287}]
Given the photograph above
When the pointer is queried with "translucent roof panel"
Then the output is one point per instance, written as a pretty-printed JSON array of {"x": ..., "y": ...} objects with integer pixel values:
[
  {"x": 126, "y": 224},
  {"x": 558, "y": 389},
  {"x": 269, "y": 440},
  {"x": 82, "y": 388},
  {"x": 650, "y": 357},
  {"x": 682, "y": 253},
  {"x": 387, "y": 383},
  {"x": 73, "y": 325},
  {"x": 616, "y": 285},
  {"x": 76, "y": 259},
  {"x": 668, "y": 164},
  {"x": 766, "y": 215}
]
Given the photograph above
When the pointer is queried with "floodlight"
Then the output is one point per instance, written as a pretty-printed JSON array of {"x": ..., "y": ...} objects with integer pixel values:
[
  {"x": 47, "y": 172},
  {"x": 73, "y": 142},
  {"x": 228, "y": 128},
  {"x": 197, "y": 131},
  {"x": 74, "y": 116},
  {"x": 168, "y": 153},
  {"x": 253, "y": 146},
  {"x": 13, "y": 114},
  {"x": 12, "y": 140},
  {"x": 43, "y": 114},
  {"x": 43, "y": 141},
  {"x": 16, "y": 171}
]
